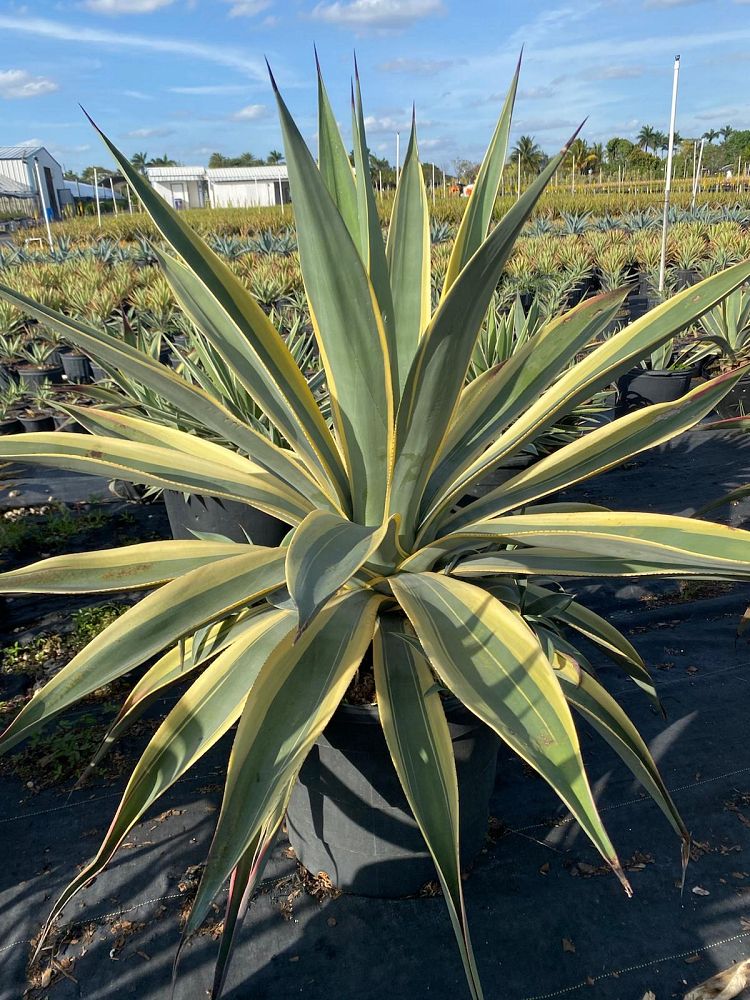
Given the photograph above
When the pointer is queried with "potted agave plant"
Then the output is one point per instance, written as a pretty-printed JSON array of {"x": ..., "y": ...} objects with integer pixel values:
[
  {"x": 725, "y": 332},
  {"x": 11, "y": 397},
  {"x": 381, "y": 574}
]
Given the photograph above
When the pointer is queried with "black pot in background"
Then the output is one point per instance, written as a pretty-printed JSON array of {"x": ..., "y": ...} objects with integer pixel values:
[
  {"x": 684, "y": 277},
  {"x": 526, "y": 300},
  {"x": 77, "y": 368},
  {"x": 641, "y": 387},
  {"x": 8, "y": 377},
  {"x": 11, "y": 425},
  {"x": 35, "y": 378},
  {"x": 56, "y": 356},
  {"x": 348, "y": 815},
  {"x": 236, "y": 521},
  {"x": 42, "y": 422},
  {"x": 98, "y": 374},
  {"x": 638, "y": 305},
  {"x": 580, "y": 291},
  {"x": 736, "y": 403},
  {"x": 65, "y": 423}
]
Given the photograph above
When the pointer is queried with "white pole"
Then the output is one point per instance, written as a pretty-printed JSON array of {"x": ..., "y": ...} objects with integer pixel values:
[
  {"x": 668, "y": 180},
  {"x": 114, "y": 200},
  {"x": 573, "y": 177},
  {"x": 130, "y": 202},
  {"x": 518, "y": 189},
  {"x": 44, "y": 204},
  {"x": 96, "y": 195},
  {"x": 697, "y": 177},
  {"x": 398, "y": 157},
  {"x": 281, "y": 195},
  {"x": 433, "y": 181}
]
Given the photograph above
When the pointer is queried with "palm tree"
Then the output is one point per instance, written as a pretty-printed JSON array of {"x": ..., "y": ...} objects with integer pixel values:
[
  {"x": 726, "y": 132},
  {"x": 660, "y": 142},
  {"x": 528, "y": 153},
  {"x": 162, "y": 161},
  {"x": 140, "y": 161},
  {"x": 275, "y": 157},
  {"x": 647, "y": 137},
  {"x": 710, "y": 134}
]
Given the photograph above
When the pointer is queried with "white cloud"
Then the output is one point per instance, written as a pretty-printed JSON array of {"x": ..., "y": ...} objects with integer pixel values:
[
  {"x": 420, "y": 67},
  {"x": 377, "y": 14},
  {"x": 137, "y": 95},
  {"x": 126, "y": 6},
  {"x": 41, "y": 27},
  {"x": 16, "y": 84},
  {"x": 247, "y": 8},
  {"x": 157, "y": 132},
  {"x": 250, "y": 113}
]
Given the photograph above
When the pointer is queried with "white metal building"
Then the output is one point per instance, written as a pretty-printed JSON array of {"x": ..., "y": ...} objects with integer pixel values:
[
  {"x": 244, "y": 187},
  {"x": 18, "y": 164},
  {"x": 182, "y": 187}
]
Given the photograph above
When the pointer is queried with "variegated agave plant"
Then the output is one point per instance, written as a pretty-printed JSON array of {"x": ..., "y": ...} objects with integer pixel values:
[{"x": 379, "y": 554}]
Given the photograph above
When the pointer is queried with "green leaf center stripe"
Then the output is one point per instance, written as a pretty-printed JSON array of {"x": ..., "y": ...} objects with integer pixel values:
[{"x": 348, "y": 326}]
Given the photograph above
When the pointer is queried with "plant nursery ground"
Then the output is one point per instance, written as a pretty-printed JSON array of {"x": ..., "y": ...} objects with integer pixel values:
[{"x": 547, "y": 919}]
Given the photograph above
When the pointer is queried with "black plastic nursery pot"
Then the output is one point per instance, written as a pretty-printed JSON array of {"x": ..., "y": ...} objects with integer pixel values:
[
  {"x": 98, "y": 374},
  {"x": 77, "y": 368},
  {"x": 348, "y": 816},
  {"x": 10, "y": 425},
  {"x": 641, "y": 387},
  {"x": 684, "y": 278},
  {"x": 236, "y": 521},
  {"x": 65, "y": 423},
  {"x": 35, "y": 378},
  {"x": 39, "y": 422},
  {"x": 8, "y": 377},
  {"x": 736, "y": 403}
]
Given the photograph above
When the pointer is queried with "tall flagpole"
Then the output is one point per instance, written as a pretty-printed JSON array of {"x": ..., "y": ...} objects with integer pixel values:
[{"x": 668, "y": 180}]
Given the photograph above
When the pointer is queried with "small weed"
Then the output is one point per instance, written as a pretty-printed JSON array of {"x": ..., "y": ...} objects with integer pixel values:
[
  {"x": 62, "y": 754},
  {"x": 35, "y": 657}
]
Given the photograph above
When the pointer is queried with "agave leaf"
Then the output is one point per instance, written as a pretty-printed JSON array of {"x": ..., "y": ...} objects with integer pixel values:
[
  {"x": 597, "y": 451},
  {"x": 477, "y": 216},
  {"x": 206, "y": 711},
  {"x": 348, "y": 326},
  {"x": 419, "y": 740},
  {"x": 228, "y": 337},
  {"x": 664, "y": 539},
  {"x": 599, "y": 631},
  {"x": 437, "y": 374},
  {"x": 324, "y": 553},
  {"x": 408, "y": 255},
  {"x": 174, "y": 666},
  {"x": 130, "y": 567},
  {"x": 191, "y": 400},
  {"x": 489, "y": 658},
  {"x": 612, "y": 359},
  {"x": 333, "y": 161},
  {"x": 372, "y": 248},
  {"x": 557, "y": 562},
  {"x": 294, "y": 696},
  {"x": 243, "y": 880},
  {"x": 287, "y": 397},
  {"x": 499, "y": 396},
  {"x": 161, "y": 618},
  {"x": 600, "y": 709},
  {"x": 159, "y": 466}
]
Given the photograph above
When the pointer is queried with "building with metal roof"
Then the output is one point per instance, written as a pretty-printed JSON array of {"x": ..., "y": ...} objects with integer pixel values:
[
  {"x": 33, "y": 168},
  {"x": 238, "y": 187}
]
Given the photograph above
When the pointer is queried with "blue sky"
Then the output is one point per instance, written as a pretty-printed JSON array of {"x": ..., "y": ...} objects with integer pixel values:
[{"x": 187, "y": 77}]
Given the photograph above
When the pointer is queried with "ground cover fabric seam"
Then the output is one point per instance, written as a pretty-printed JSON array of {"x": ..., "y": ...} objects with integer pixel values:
[{"x": 588, "y": 983}]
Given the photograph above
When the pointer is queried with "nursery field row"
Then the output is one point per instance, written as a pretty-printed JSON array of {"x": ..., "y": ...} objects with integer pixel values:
[{"x": 555, "y": 203}]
